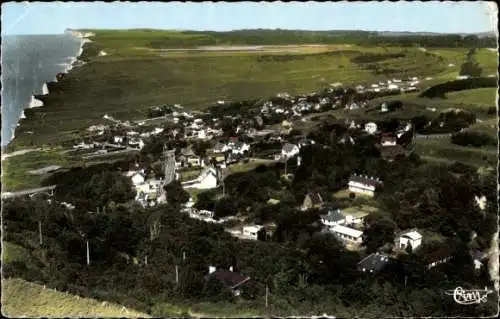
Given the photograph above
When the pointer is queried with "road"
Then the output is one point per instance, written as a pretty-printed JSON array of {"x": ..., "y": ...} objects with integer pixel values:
[{"x": 28, "y": 191}]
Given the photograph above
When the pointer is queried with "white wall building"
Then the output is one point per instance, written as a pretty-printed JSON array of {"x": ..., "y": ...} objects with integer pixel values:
[
  {"x": 371, "y": 128},
  {"x": 206, "y": 180},
  {"x": 363, "y": 184},
  {"x": 347, "y": 233},
  {"x": 411, "y": 237},
  {"x": 251, "y": 231},
  {"x": 289, "y": 150}
]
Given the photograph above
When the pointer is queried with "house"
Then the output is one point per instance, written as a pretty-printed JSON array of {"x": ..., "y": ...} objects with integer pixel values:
[
  {"x": 189, "y": 158},
  {"x": 360, "y": 88},
  {"x": 136, "y": 143},
  {"x": 384, "y": 108},
  {"x": 289, "y": 150},
  {"x": 229, "y": 278},
  {"x": 354, "y": 216},
  {"x": 347, "y": 234},
  {"x": 438, "y": 256},
  {"x": 407, "y": 238},
  {"x": 313, "y": 200},
  {"x": 251, "y": 231},
  {"x": 304, "y": 142},
  {"x": 370, "y": 128},
  {"x": 373, "y": 263},
  {"x": 388, "y": 139},
  {"x": 334, "y": 217},
  {"x": 363, "y": 184},
  {"x": 138, "y": 177},
  {"x": 208, "y": 179},
  {"x": 118, "y": 139},
  {"x": 393, "y": 87}
]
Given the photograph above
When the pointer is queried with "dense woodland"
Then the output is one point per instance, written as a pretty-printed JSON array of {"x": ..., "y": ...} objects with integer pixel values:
[{"x": 134, "y": 251}]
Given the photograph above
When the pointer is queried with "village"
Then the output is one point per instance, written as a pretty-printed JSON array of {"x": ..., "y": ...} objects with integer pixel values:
[{"x": 226, "y": 148}]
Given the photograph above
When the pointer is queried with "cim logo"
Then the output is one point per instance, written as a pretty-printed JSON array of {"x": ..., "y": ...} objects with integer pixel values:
[{"x": 469, "y": 297}]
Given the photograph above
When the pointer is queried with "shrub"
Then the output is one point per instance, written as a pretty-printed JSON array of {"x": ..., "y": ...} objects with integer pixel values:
[{"x": 474, "y": 139}]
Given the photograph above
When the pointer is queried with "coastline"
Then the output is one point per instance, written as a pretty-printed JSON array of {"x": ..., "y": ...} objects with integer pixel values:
[{"x": 35, "y": 101}]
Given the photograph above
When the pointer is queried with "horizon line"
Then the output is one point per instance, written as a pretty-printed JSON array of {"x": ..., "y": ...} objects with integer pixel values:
[{"x": 250, "y": 29}]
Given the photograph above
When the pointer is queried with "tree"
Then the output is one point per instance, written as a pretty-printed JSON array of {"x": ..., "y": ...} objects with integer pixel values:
[
  {"x": 378, "y": 231},
  {"x": 176, "y": 195}
]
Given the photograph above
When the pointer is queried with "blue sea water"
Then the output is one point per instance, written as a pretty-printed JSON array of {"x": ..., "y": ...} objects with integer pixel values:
[{"x": 29, "y": 61}]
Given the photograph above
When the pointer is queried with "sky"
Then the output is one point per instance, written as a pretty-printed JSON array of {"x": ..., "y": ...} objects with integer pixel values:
[{"x": 55, "y": 17}]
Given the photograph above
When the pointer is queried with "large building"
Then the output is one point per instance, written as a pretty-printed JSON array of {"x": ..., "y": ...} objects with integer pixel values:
[{"x": 363, "y": 184}]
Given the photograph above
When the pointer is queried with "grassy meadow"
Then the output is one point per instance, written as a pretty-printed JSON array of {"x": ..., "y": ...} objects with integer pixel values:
[{"x": 25, "y": 299}]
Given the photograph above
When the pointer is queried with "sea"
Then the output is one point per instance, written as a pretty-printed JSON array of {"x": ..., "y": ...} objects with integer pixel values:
[{"x": 28, "y": 62}]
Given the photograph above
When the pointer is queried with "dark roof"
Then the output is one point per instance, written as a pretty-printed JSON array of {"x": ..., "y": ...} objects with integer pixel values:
[
  {"x": 316, "y": 198},
  {"x": 374, "y": 262},
  {"x": 438, "y": 254},
  {"x": 333, "y": 215},
  {"x": 230, "y": 278},
  {"x": 365, "y": 180}
]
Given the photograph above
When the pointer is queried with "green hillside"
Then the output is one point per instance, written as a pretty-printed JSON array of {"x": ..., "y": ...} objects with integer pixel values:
[
  {"x": 133, "y": 76},
  {"x": 24, "y": 299}
]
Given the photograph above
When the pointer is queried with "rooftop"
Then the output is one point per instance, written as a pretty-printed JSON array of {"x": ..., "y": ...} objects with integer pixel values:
[
  {"x": 347, "y": 231},
  {"x": 373, "y": 262},
  {"x": 412, "y": 234},
  {"x": 230, "y": 278},
  {"x": 333, "y": 215}
]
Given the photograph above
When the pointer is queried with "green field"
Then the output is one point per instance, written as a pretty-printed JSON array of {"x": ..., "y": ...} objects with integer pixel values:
[
  {"x": 481, "y": 97},
  {"x": 24, "y": 299},
  {"x": 15, "y": 170},
  {"x": 443, "y": 150}
]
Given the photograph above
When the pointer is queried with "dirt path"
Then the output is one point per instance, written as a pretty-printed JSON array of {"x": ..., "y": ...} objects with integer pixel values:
[{"x": 20, "y": 152}]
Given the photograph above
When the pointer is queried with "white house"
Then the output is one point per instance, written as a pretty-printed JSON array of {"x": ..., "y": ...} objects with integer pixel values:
[
  {"x": 333, "y": 218},
  {"x": 347, "y": 234},
  {"x": 383, "y": 108},
  {"x": 118, "y": 139},
  {"x": 206, "y": 180},
  {"x": 137, "y": 143},
  {"x": 393, "y": 87},
  {"x": 251, "y": 231},
  {"x": 354, "y": 217},
  {"x": 370, "y": 128},
  {"x": 138, "y": 177},
  {"x": 289, "y": 150},
  {"x": 363, "y": 184},
  {"x": 409, "y": 238}
]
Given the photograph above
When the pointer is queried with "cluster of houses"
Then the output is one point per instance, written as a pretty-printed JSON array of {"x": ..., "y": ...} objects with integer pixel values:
[{"x": 394, "y": 85}]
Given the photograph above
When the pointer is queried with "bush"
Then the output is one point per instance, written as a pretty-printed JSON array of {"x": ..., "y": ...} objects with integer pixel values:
[{"x": 472, "y": 139}]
